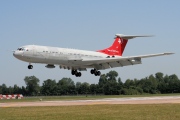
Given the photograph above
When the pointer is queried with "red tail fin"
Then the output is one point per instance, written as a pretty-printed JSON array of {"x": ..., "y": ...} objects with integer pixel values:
[{"x": 117, "y": 47}]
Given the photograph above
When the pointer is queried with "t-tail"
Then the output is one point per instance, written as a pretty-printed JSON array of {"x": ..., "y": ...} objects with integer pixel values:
[{"x": 120, "y": 42}]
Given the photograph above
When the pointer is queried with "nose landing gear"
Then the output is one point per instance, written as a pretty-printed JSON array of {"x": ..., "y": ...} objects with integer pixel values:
[{"x": 30, "y": 67}]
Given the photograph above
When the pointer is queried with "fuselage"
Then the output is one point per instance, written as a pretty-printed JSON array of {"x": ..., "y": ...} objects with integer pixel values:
[{"x": 56, "y": 56}]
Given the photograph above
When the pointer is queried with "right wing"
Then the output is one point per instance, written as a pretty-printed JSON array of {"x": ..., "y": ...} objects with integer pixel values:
[{"x": 106, "y": 63}]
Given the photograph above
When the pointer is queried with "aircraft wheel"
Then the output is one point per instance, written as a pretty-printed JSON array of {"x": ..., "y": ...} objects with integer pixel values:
[
  {"x": 98, "y": 73},
  {"x": 30, "y": 67},
  {"x": 73, "y": 72},
  {"x": 92, "y": 71},
  {"x": 78, "y": 74}
]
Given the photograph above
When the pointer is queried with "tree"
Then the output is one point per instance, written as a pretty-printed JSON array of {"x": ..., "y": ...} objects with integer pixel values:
[
  {"x": 120, "y": 83},
  {"x": 111, "y": 76},
  {"x": 101, "y": 83},
  {"x": 4, "y": 89},
  {"x": 153, "y": 84},
  {"x": 108, "y": 84},
  {"x": 24, "y": 90},
  {"x": 174, "y": 83},
  {"x": 32, "y": 85},
  {"x": 78, "y": 90},
  {"x": 84, "y": 88},
  {"x": 111, "y": 88},
  {"x": 16, "y": 89},
  {"x": 93, "y": 89},
  {"x": 10, "y": 90},
  {"x": 0, "y": 89},
  {"x": 128, "y": 83},
  {"x": 66, "y": 86},
  {"x": 49, "y": 87},
  {"x": 163, "y": 85},
  {"x": 102, "y": 80},
  {"x": 145, "y": 85},
  {"x": 119, "y": 86},
  {"x": 159, "y": 76}
]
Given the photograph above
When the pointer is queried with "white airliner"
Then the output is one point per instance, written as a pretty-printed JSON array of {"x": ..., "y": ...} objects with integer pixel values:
[{"x": 80, "y": 60}]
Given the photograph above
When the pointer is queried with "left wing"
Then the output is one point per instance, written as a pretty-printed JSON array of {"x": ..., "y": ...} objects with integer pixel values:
[{"x": 106, "y": 63}]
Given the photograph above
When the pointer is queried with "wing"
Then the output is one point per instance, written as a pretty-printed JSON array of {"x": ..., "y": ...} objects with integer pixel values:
[{"x": 106, "y": 63}]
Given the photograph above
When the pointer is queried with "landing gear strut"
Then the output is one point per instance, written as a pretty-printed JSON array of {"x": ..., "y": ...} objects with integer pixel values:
[
  {"x": 76, "y": 73},
  {"x": 30, "y": 67},
  {"x": 95, "y": 72}
]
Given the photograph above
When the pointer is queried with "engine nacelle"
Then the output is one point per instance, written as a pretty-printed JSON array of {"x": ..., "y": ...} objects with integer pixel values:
[{"x": 50, "y": 66}]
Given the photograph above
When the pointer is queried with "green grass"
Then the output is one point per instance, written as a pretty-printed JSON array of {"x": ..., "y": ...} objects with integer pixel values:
[
  {"x": 89, "y": 97},
  {"x": 94, "y": 112}
]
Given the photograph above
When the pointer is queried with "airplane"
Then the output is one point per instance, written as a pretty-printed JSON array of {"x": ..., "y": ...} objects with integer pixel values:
[{"x": 80, "y": 60}]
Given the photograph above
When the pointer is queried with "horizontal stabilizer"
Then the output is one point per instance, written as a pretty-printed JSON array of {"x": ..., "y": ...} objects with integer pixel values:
[{"x": 131, "y": 36}]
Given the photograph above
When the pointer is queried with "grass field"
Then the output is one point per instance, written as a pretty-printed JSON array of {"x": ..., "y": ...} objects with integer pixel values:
[
  {"x": 89, "y": 97},
  {"x": 94, "y": 112}
]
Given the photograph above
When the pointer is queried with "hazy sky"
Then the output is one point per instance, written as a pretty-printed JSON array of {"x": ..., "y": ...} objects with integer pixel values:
[{"x": 89, "y": 25}]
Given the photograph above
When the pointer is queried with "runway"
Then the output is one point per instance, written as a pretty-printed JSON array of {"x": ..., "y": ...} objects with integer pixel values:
[{"x": 129, "y": 100}]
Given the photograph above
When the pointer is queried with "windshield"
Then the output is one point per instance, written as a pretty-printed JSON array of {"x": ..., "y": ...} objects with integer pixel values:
[{"x": 22, "y": 49}]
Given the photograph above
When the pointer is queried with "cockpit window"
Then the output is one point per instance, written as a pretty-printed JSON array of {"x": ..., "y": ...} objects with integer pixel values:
[
  {"x": 22, "y": 49},
  {"x": 25, "y": 49},
  {"x": 19, "y": 49}
]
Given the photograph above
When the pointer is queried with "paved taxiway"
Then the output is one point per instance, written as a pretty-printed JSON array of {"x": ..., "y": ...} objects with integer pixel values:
[{"x": 129, "y": 100}]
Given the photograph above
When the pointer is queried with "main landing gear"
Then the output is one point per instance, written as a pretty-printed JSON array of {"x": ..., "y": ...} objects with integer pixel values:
[
  {"x": 76, "y": 73},
  {"x": 95, "y": 72},
  {"x": 30, "y": 67}
]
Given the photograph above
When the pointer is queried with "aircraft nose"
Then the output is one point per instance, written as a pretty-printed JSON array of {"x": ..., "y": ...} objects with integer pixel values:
[
  {"x": 17, "y": 54},
  {"x": 14, "y": 53}
]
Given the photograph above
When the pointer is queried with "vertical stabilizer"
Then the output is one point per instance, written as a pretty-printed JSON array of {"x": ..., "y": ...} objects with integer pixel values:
[{"x": 117, "y": 48}]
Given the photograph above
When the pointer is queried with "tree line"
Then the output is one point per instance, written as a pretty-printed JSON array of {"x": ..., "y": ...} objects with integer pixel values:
[{"x": 109, "y": 84}]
